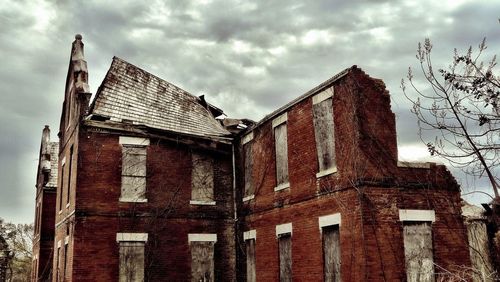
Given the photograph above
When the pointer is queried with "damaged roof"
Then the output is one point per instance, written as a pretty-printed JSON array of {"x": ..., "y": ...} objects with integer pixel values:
[{"x": 130, "y": 94}]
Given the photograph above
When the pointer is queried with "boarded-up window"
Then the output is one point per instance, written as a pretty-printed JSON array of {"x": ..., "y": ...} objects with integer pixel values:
[
  {"x": 285, "y": 253},
  {"x": 202, "y": 178},
  {"x": 133, "y": 173},
  {"x": 65, "y": 262},
  {"x": 61, "y": 189},
  {"x": 69, "y": 174},
  {"x": 324, "y": 134},
  {"x": 280, "y": 141},
  {"x": 249, "y": 189},
  {"x": 250, "y": 250},
  {"x": 331, "y": 253},
  {"x": 58, "y": 268},
  {"x": 418, "y": 251},
  {"x": 131, "y": 261},
  {"x": 202, "y": 261}
]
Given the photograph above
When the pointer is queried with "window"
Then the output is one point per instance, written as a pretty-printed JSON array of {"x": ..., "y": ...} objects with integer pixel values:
[
  {"x": 133, "y": 169},
  {"x": 324, "y": 132},
  {"x": 37, "y": 218},
  {"x": 247, "y": 151},
  {"x": 69, "y": 174},
  {"x": 330, "y": 232},
  {"x": 132, "y": 256},
  {"x": 58, "y": 258},
  {"x": 250, "y": 237},
  {"x": 284, "y": 234},
  {"x": 202, "y": 256},
  {"x": 202, "y": 180},
  {"x": 281, "y": 149},
  {"x": 417, "y": 233},
  {"x": 61, "y": 188},
  {"x": 65, "y": 261}
]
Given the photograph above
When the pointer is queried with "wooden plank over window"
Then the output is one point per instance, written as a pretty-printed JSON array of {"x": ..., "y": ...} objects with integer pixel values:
[
  {"x": 324, "y": 131},
  {"x": 249, "y": 188},
  {"x": 133, "y": 173},
  {"x": 285, "y": 256},
  {"x": 202, "y": 261},
  {"x": 418, "y": 251},
  {"x": 132, "y": 261},
  {"x": 202, "y": 180},
  {"x": 331, "y": 253},
  {"x": 280, "y": 141},
  {"x": 250, "y": 252}
]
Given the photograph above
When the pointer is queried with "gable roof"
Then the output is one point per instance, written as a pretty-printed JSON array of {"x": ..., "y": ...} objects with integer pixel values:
[{"x": 131, "y": 94}]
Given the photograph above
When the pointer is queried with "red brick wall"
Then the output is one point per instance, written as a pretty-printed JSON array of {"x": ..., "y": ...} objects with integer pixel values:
[
  {"x": 167, "y": 217},
  {"x": 368, "y": 190},
  {"x": 43, "y": 242}
]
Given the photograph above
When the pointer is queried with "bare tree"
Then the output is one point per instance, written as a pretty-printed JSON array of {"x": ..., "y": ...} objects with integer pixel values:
[
  {"x": 461, "y": 110},
  {"x": 19, "y": 237}
]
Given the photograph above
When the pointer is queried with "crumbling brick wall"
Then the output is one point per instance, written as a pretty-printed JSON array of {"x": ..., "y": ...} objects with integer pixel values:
[{"x": 368, "y": 190}]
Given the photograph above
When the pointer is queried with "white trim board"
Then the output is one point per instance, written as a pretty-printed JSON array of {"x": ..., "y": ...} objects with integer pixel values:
[
  {"x": 322, "y": 96},
  {"x": 329, "y": 220},
  {"x": 247, "y": 138},
  {"x": 132, "y": 237},
  {"x": 202, "y": 237},
  {"x": 279, "y": 120},
  {"x": 283, "y": 228},
  {"x": 417, "y": 215},
  {"x": 251, "y": 234},
  {"x": 127, "y": 140}
]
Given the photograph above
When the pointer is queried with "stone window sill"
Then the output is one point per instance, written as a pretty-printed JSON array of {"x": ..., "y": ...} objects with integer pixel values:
[
  {"x": 202, "y": 203},
  {"x": 132, "y": 200},
  {"x": 248, "y": 198},
  {"x": 282, "y": 186},
  {"x": 326, "y": 172}
]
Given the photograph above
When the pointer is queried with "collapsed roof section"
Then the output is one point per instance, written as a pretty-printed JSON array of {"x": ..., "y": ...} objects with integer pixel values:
[{"x": 130, "y": 94}]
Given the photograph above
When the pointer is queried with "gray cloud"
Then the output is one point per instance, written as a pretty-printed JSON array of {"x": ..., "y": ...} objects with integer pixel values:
[{"x": 248, "y": 57}]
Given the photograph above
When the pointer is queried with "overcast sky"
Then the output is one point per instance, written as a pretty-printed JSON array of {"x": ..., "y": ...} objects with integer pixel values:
[{"x": 247, "y": 57}]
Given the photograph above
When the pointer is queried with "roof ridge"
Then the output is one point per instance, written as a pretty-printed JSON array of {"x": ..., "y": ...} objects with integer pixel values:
[{"x": 129, "y": 92}]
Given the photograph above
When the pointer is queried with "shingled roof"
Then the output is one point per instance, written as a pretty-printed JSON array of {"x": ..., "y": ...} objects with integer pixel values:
[{"x": 131, "y": 94}]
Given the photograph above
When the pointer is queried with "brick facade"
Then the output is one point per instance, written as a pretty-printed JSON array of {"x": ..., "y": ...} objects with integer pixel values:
[
  {"x": 43, "y": 239},
  {"x": 366, "y": 189}
]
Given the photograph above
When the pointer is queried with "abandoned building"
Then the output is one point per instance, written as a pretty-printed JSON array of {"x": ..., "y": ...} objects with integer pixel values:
[{"x": 151, "y": 186}]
